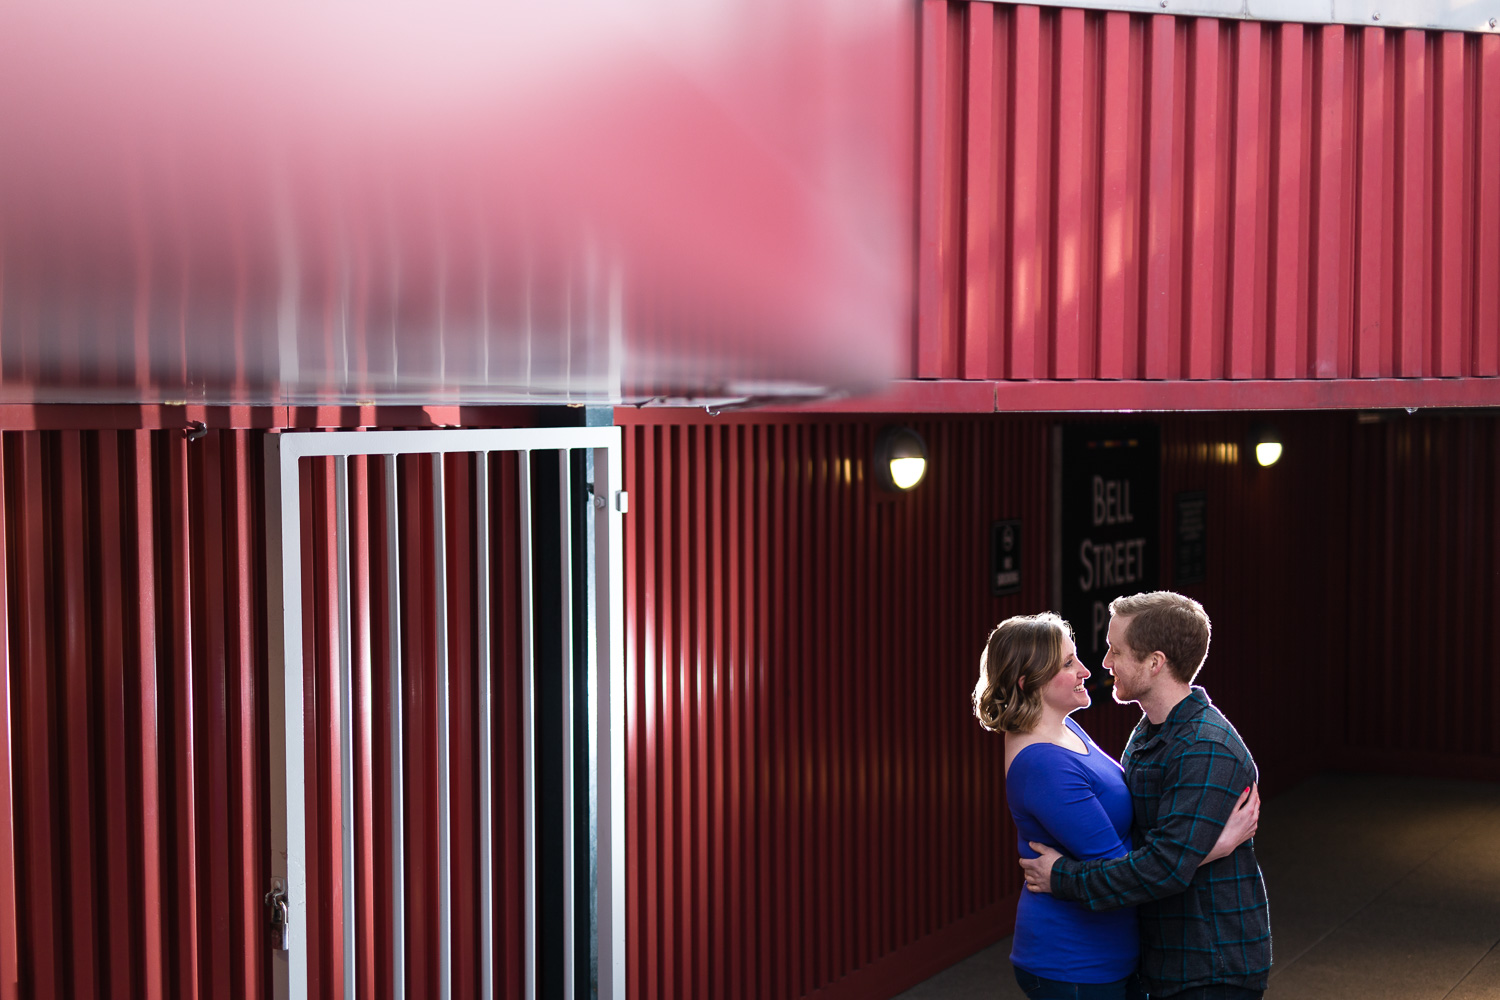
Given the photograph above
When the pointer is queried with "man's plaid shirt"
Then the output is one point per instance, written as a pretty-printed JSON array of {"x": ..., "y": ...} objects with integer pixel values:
[{"x": 1198, "y": 925}]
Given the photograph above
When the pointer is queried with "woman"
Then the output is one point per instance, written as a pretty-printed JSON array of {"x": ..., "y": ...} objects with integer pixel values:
[{"x": 1065, "y": 791}]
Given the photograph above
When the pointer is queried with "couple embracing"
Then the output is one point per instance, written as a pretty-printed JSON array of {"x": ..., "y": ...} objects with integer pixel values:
[{"x": 1179, "y": 908}]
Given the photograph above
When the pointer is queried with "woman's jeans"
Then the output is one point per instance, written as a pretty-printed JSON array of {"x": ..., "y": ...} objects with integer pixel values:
[{"x": 1037, "y": 988}]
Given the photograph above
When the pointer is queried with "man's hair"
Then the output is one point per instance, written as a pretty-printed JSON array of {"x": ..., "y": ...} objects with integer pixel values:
[
  {"x": 1174, "y": 625},
  {"x": 1023, "y": 653}
]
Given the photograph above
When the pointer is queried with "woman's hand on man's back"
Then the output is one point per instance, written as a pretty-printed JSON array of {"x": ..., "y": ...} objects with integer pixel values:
[{"x": 1240, "y": 826}]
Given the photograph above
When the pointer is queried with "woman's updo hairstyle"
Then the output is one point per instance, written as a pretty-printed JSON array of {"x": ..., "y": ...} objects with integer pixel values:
[{"x": 1022, "y": 655}]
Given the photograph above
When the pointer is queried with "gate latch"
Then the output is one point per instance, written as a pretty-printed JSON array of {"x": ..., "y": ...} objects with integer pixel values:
[{"x": 280, "y": 914}]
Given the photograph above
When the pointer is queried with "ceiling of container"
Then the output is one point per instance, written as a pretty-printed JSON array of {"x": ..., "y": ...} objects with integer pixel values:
[{"x": 453, "y": 203}]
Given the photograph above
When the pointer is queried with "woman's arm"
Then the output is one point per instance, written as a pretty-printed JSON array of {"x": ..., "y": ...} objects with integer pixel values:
[
  {"x": 1240, "y": 826},
  {"x": 1057, "y": 794},
  {"x": 1194, "y": 792}
]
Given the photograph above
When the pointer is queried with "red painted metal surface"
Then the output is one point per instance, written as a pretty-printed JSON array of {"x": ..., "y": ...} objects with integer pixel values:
[
  {"x": 807, "y": 790},
  {"x": 370, "y": 619},
  {"x": 1093, "y": 395},
  {"x": 1416, "y": 679},
  {"x": 135, "y": 815},
  {"x": 1106, "y": 195},
  {"x": 1271, "y": 584},
  {"x": 451, "y": 201},
  {"x": 804, "y": 797},
  {"x": 9, "y": 957},
  {"x": 136, "y": 737},
  {"x": 9, "y": 953}
]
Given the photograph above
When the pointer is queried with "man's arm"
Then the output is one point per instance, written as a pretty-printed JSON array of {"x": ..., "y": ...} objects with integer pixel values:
[
  {"x": 1239, "y": 828},
  {"x": 1201, "y": 788}
]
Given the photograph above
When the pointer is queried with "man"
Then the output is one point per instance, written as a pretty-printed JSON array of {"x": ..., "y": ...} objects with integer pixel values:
[{"x": 1205, "y": 932}]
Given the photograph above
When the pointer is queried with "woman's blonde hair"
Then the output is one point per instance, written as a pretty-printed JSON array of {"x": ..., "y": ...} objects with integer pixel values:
[{"x": 1023, "y": 653}]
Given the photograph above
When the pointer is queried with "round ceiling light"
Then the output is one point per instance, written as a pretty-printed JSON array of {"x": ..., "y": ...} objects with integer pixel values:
[
  {"x": 900, "y": 459},
  {"x": 1266, "y": 444}
]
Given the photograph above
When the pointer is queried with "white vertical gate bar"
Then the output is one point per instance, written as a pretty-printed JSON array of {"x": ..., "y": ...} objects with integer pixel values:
[
  {"x": 565, "y": 554},
  {"x": 445, "y": 789},
  {"x": 528, "y": 749},
  {"x": 288, "y": 789},
  {"x": 346, "y": 717},
  {"x": 398, "y": 754},
  {"x": 486, "y": 708},
  {"x": 610, "y": 632},
  {"x": 288, "y": 778}
]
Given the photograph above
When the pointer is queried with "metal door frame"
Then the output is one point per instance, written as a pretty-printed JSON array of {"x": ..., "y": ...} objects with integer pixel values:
[{"x": 288, "y": 857}]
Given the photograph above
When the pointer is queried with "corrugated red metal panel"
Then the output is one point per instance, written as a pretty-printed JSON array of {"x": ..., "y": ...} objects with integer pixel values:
[
  {"x": 36, "y": 889},
  {"x": 1416, "y": 680},
  {"x": 800, "y": 653},
  {"x": 1140, "y": 396},
  {"x": 1130, "y": 196},
  {"x": 743, "y": 180},
  {"x": 9, "y": 954},
  {"x": 370, "y": 616},
  {"x": 133, "y": 629},
  {"x": 805, "y": 796},
  {"x": 807, "y": 791},
  {"x": 1272, "y": 567},
  {"x": 134, "y": 824}
]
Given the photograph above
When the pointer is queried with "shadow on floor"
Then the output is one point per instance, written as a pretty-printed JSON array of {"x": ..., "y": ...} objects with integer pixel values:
[{"x": 1380, "y": 888}]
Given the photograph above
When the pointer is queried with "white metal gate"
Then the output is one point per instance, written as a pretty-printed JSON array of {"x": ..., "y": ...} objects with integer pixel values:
[{"x": 289, "y": 845}]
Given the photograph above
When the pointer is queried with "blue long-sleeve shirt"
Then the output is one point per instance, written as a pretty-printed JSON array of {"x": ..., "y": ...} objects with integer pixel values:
[{"x": 1079, "y": 804}]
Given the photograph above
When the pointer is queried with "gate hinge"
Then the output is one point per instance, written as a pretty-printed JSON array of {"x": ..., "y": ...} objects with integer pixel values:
[
  {"x": 280, "y": 914},
  {"x": 622, "y": 500}
]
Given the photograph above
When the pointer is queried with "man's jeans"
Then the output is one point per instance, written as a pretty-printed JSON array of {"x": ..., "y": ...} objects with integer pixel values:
[{"x": 1215, "y": 992}]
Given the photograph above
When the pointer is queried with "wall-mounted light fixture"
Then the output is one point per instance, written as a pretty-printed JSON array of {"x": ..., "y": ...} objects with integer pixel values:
[
  {"x": 1265, "y": 444},
  {"x": 900, "y": 458}
]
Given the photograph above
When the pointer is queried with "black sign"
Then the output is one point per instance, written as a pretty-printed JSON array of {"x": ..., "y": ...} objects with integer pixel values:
[
  {"x": 1005, "y": 558},
  {"x": 1190, "y": 548},
  {"x": 1108, "y": 524}
]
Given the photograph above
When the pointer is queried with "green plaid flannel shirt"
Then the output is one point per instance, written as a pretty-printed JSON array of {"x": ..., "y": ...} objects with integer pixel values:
[{"x": 1199, "y": 926}]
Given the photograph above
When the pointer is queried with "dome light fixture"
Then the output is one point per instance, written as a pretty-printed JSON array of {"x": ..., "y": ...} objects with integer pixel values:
[
  {"x": 1265, "y": 442},
  {"x": 900, "y": 459}
]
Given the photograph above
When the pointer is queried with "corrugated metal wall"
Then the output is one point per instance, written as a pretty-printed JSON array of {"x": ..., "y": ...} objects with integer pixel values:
[
  {"x": 806, "y": 794},
  {"x": 133, "y": 852},
  {"x": 812, "y": 808},
  {"x": 1271, "y": 583},
  {"x": 1271, "y": 568},
  {"x": 1417, "y": 683},
  {"x": 135, "y": 629},
  {"x": 1126, "y": 196},
  {"x": 370, "y": 618}
]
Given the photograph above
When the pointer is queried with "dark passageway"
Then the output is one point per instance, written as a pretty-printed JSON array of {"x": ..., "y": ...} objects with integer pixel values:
[{"x": 1381, "y": 889}]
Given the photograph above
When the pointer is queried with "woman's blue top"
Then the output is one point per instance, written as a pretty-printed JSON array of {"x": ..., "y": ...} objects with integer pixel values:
[{"x": 1077, "y": 803}]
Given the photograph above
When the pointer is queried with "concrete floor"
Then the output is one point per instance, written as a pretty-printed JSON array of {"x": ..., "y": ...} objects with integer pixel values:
[{"x": 1380, "y": 889}]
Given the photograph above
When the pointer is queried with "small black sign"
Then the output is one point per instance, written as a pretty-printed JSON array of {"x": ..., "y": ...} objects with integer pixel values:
[
  {"x": 1109, "y": 516},
  {"x": 1190, "y": 551},
  {"x": 1005, "y": 558}
]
